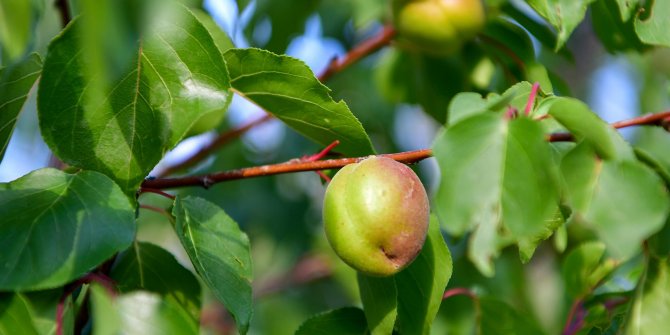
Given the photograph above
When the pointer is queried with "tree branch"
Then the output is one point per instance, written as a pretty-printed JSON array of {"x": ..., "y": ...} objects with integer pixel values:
[
  {"x": 298, "y": 165},
  {"x": 365, "y": 48},
  {"x": 267, "y": 170}
]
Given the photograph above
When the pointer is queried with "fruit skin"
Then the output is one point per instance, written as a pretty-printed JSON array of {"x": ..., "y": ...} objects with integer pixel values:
[
  {"x": 376, "y": 215},
  {"x": 437, "y": 27}
]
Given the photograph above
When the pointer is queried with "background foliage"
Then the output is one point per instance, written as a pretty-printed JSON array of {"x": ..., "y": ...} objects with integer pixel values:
[{"x": 545, "y": 217}]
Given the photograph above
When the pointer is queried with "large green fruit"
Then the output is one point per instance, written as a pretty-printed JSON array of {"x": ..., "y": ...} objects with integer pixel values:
[
  {"x": 437, "y": 26},
  {"x": 376, "y": 215}
]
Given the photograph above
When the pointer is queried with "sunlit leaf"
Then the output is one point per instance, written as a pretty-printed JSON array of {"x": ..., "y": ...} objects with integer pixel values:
[
  {"x": 564, "y": 15},
  {"x": 118, "y": 115},
  {"x": 650, "y": 313},
  {"x": 287, "y": 88},
  {"x": 380, "y": 302},
  {"x": 57, "y": 226},
  {"x": 654, "y": 29},
  {"x": 220, "y": 253}
]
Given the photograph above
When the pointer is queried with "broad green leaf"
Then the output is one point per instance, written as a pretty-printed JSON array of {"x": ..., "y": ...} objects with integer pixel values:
[
  {"x": 499, "y": 318},
  {"x": 287, "y": 88},
  {"x": 16, "y": 25},
  {"x": 148, "y": 267},
  {"x": 380, "y": 302},
  {"x": 422, "y": 284},
  {"x": 610, "y": 195},
  {"x": 659, "y": 244},
  {"x": 15, "y": 83},
  {"x": 139, "y": 312},
  {"x": 518, "y": 48},
  {"x": 43, "y": 306},
  {"x": 584, "y": 267},
  {"x": 220, "y": 253},
  {"x": 587, "y": 126},
  {"x": 650, "y": 313},
  {"x": 564, "y": 15},
  {"x": 654, "y": 29},
  {"x": 343, "y": 321},
  {"x": 286, "y": 19},
  {"x": 119, "y": 119},
  {"x": 497, "y": 175},
  {"x": 527, "y": 245},
  {"x": 56, "y": 226},
  {"x": 467, "y": 104},
  {"x": 627, "y": 8},
  {"x": 221, "y": 38},
  {"x": 15, "y": 315}
]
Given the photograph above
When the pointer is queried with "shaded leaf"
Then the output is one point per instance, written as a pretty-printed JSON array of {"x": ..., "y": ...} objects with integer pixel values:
[
  {"x": 56, "y": 226},
  {"x": 380, "y": 302},
  {"x": 15, "y": 84},
  {"x": 343, "y": 321},
  {"x": 220, "y": 253},
  {"x": 150, "y": 268},
  {"x": 615, "y": 33},
  {"x": 499, "y": 318},
  {"x": 584, "y": 267},
  {"x": 287, "y": 88},
  {"x": 422, "y": 284},
  {"x": 16, "y": 28},
  {"x": 120, "y": 118}
]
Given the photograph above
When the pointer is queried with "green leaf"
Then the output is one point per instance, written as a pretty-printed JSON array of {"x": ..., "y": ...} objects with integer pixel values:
[
  {"x": 422, "y": 284},
  {"x": 119, "y": 119},
  {"x": 16, "y": 27},
  {"x": 15, "y": 84},
  {"x": 148, "y": 267},
  {"x": 584, "y": 267},
  {"x": 15, "y": 316},
  {"x": 540, "y": 30},
  {"x": 615, "y": 32},
  {"x": 499, "y": 318},
  {"x": 654, "y": 29},
  {"x": 499, "y": 176},
  {"x": 585, "y": 125},
  {"x": 609, "y": 195},
  {"x": 650, "y": 313},
  {"x": 138, "y": 313},
  {"x": 56, "y": 226},
  {"x": 221, "y": 38},
  {"x": 627, "y": 8},
  {"x": 564, "y": 15},
  {"x": 380, "y": 302},
  {"x": 220, "y": 253},
  {"x": 287, "y": 88},
  {"x": 343, "y": 321},
  {"x": 467, "y": 104}
]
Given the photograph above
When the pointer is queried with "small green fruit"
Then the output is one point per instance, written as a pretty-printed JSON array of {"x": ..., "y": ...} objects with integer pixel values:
[
  {"x": 376, "y": 215},
  {"x": 437, "y": 26}
]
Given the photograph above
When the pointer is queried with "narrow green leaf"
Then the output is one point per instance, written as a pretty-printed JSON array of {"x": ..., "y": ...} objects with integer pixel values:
[
  {"x": 149, "y": 267},
  {"x": 119, "y": 119},
  {"x": 343, "y": 321},
  {"x": 220, "y": 253},
  {"x": 584, "y": 267},
  {"x": 609, "y": 195},
  {"x": 380, "y": 302},
  {"x": 564, "y": 15},
  {"x": 15, "y": 316},
  {"x": 287, "y": 88},
  {"x": 15, "y": 83},
  {"x": 654, "y": 29},
  {"x": 140, "y": 313},
  {"x": 585, "y": 125},
  {"x": 56, "y": 226},
  {"x": 650, "y": 313},
  {"x": 422, "y": 284}
]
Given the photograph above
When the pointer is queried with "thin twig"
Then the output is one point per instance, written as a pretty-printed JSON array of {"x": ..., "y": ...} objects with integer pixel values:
[
  {"x": 459, "y": 291},
  {"x": 655, "y": 119},
  {"x": 365, "y": 48},
  {"x": 572, "y": 326},
  {"x": 267, "y": 170}
]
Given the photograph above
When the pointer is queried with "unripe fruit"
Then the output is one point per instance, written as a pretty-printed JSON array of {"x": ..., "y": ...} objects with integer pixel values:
[
  {"x": 376, "y": 215},
  {"x": 437, "y": 26}
]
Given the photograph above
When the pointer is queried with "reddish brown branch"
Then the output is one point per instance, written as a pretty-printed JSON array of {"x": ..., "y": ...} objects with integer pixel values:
[
  {"x": 338, "y": 64},
  {"x": 101, "y": 279},
  {"x": 268, "y": 170},
  {"x": 459, "y": 291},
  {"x": 656, "y": 119}
]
